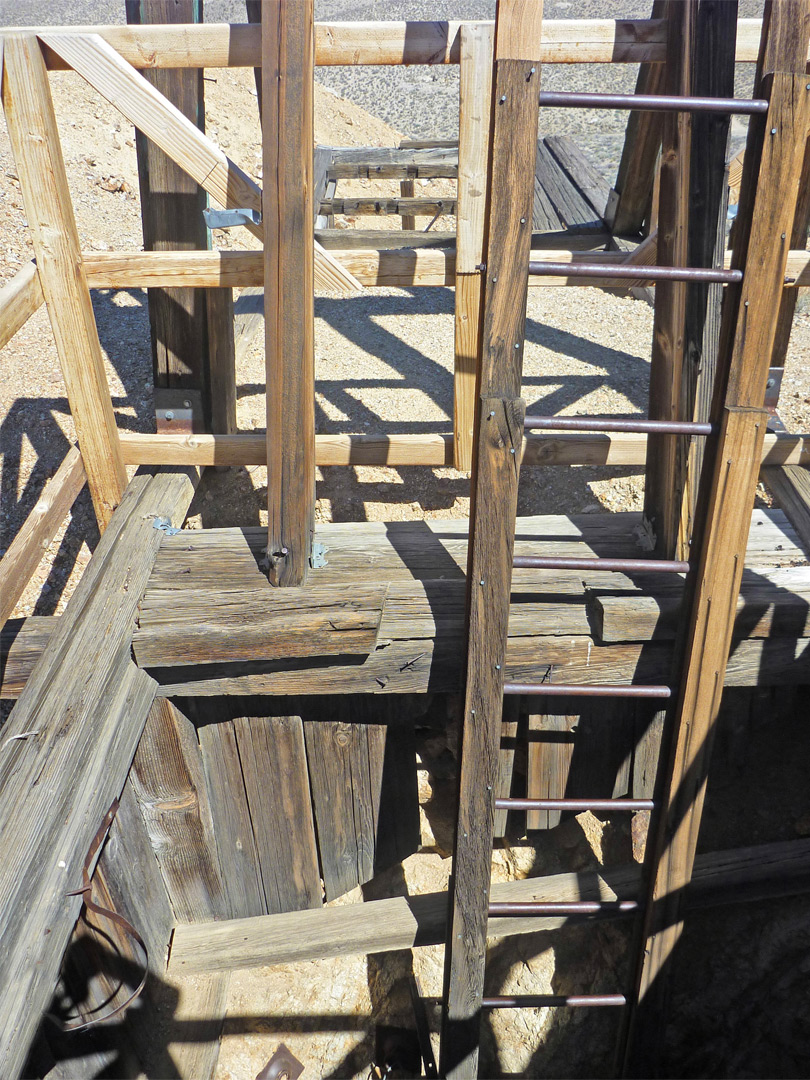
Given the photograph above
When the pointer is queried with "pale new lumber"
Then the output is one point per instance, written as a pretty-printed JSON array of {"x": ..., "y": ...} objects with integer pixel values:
[
  {"x": 38, "y": 155},
  {"x": 562, "y": 448},
  {"x": 475, "y": 91},
  {"x": 38, "y": 530},
  {"x": 176, "y": 135},
  {"x": 19, "y": 299},
  {"x": 80, "y": 717},
  {"x": 721, "y": 877}
]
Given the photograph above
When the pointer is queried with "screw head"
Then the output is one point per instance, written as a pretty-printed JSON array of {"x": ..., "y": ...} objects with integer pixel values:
[
  {"x": 512, "y": 450},
  {"x": 503, "y": 98},
  {"x": 170, "y": 415},
  {"x": 773, "y": 131}
]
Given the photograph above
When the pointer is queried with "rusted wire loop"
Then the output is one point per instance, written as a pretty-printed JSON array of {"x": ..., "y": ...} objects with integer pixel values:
[{"x": 111, "y": 916}]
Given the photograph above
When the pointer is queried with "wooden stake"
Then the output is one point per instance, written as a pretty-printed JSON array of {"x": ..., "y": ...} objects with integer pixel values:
[{"x": 38, "y": 154}]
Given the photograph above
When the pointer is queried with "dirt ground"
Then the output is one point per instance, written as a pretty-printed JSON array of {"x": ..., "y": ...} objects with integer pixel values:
[{"x": 384, "y": 363}]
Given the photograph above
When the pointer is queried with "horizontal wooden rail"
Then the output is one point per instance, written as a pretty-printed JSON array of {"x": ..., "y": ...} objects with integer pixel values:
[
  {"x": 401, "y": 267},
  {"x": 38, "y": 530},
  {"x": 405, "y": 207},
  {"x": 437, "y": 450},
  {"x": 564, "y": 41},
  {"x": 19, "y": 299}
]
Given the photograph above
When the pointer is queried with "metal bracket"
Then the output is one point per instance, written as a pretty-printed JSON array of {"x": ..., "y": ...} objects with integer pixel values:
[
  {"x": 228, "y": 219},
  {"x": 165, "y": 526},
  {"x": 178, "y": 412},
  {"x": 281, "y": 1066},
  {"x": 317, "y": 559},
  {"x": 773, "y": 387}
]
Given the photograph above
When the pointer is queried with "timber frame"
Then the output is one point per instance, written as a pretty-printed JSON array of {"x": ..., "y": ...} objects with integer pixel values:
[{"x": 119, "y": 693}]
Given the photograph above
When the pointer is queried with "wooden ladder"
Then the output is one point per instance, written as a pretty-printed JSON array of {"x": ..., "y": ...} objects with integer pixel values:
[{"x": 779, "y": 116}]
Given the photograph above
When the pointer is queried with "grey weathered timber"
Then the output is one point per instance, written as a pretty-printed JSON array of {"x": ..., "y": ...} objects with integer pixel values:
[
  {"x": 737, "y": 875},
  {"x": 258, "y": 625},
  {"x": 571, "y": 206},
  {"x": 287, "y": 209},
  {"x": 389, "y": 163},
  {"x": 273, "y": 759},
  {"x": 791, "y": 486},
  {"x": 167, "y": 779},
  {"x": 511, "y": 183},
  {"x": 511, "y": 731},
  {"x": 383, "y": 239},
  {"x": 58, "y": 783},
  {"x": 580, "y": 171},
  {"x": 369, "y": 206},
  {"x": 233, "y": 830},
  {"x": 665, "y": 468}
]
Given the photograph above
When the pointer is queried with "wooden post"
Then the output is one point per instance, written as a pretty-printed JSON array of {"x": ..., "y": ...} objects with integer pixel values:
[
  {"x": 630, "y": 201},
  {"x": 475, "y": 92},
  {"x": 38, "y": 155},
  {"x": 190, "y": 330},
  {"x": 287, "y": 133},
  {"x": 499, "y": 437},
  {"x": 664, "y": 484},
  {"x": 773, "y": 167}
]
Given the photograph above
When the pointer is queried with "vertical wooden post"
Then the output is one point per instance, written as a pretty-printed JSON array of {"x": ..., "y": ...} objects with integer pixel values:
[
  {"x": 630, "y": 200},
  {"x": 499, "y": 437},
  {"x": 475, "y": 93},
  {"x": 663, "y": 491},
  {"x": 773, "y": 166},
  {"x": 41, "y": 168},
  {"x": 287, "y": 133},
  {"x": 192, "y": 329}
]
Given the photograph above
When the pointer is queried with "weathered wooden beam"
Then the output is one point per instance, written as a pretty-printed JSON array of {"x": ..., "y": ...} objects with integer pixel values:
[
  {"x": 19, "y": 299},
  {"x": 404, "y": 206},
  {"x": 791, "y": 486},
  {"x": 25, "y": 551},
  {"x": 499, "y": 418},
  {"x": 721, "y": 877},
  {"x": 68, "y": 745},
  {"x": 38, "y": 155},
  {"x": 475, "y": 91}
]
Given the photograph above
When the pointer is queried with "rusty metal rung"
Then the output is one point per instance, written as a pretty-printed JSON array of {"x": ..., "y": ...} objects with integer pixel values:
[
  {"x": 555, "y": 99},
  {"x": 574, "y": 804},
  {"x": 622, "y": 566},
  {"x": 635, "y": 272},
  {"x": 543, "y": 1001},
  {"x": 642, "y": 427},
  {"x": 518, "y": 908},
  {"x": 623, "y": 690}
]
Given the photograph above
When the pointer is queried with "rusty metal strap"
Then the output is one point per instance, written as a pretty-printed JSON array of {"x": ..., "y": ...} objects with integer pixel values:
[{"x": 104, "y": 913}]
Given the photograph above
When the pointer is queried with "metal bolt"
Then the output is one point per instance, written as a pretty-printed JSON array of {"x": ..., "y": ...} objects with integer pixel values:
[
  {"x": 170, "y": 415},
  {"x": 535, "y": 69},
  {"x": 523, "y": 221},
  {"x": 746, "y": 303},
  {"x": 770, "y": 384},
  {"x": 489, "y": 787},
  {"x": 512, "y": 450},
  {"x": 773, "y": 131},
  {"x": 481, "y": 582},
  {"x": 492, "y": 412},
  {"x": 503, "y": 98},
  {"x": 497, "y": 667},
  {"x": 784, "y": 235},
  {"x": 517, "y": 344},
  {"x": 494, "y": 279}
]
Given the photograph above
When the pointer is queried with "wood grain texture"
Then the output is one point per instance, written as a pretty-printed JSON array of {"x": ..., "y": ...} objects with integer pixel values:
[
  {"x": 38, "y": 155},
  {"x": 233, "y": 831},
  {"x": 168, "y": 782},
  {"x": 791, "y": 486},
  {"x": 19, "y": 299},
  {"x": 565, "y": 448},
  {"x": 273, "y": 758},
  {"x": 406, "y": 922},
  {"x": 26, "y": 550},
  {"x": 87, "y": 704},
  {"x": 475, "y": 93},
  {"x": 341, "y": 620},
  {"x": 287, "y": 209},
  {"x": 405, "y": 206}
]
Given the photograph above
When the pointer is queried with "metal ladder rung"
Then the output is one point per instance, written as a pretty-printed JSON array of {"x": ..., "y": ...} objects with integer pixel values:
[
  {"x": 518, "y": 908},
  {"x": 561, "y": 99},
  {"x": 630, "y": 566},
  {"x": 641, "y": 427},
  {"x": 543, "y": 1001},
  {"x": 581, "y": 690},
  {"x": 574, "y": 804},
  {"x": 635, "y": 272}
]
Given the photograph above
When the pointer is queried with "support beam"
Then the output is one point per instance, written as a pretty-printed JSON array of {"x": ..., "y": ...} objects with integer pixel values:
[
  {"x": 38, "y": 154},
  {"x": 19, "y": 299},
  {"x": 287, "y": 129}
]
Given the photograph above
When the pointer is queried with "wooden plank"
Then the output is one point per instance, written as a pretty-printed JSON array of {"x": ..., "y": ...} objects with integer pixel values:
[
  {"x": 570, "y": 205},
  {"x": 566, "y": 448},
  {"x": 19, "y": 299},
  {"x": 176, "y": 135},
  {"x": 392, "y": 163},
  {"x": 629, "y": 203},
  {"x": 580, "y": 171},
  {"x": 287, "y": 130},
  {"x": 511, "y": 730},
  {"x": 83, "y": 708},
  {"x": 510, "y": 193},
  {"x": 665, "y": 474},
  {"x": 168, "y": 782},
  {"x": 475, "y": 92},
  {"x": 233, "y": 831},
  {"x": 406, "y": 206},
  {"x": 222, "y": 360},
  {"x": 25, "y": 551},
  {"x": 791, "y": 486},
  {"x": 191, "y": 1014},
  {"x": 551, "y": 747},
  {"x": 336, "y": 620},
  {"x": 40, "y": 165},
  {"x": 744, "y": 874},
  {"x": 273, "y": 759}
]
